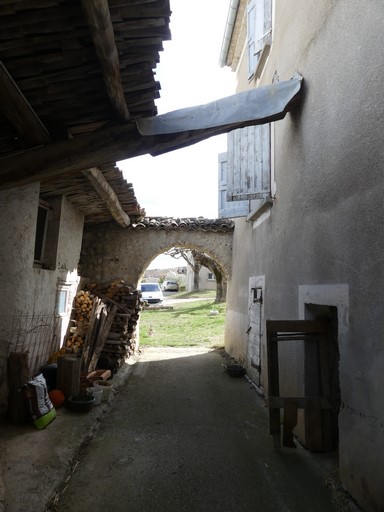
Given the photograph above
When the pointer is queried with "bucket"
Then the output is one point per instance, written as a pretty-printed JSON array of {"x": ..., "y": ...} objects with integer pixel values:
[
  {"x": 106, "y": 387},
  {"x": 97, "y": 393}
]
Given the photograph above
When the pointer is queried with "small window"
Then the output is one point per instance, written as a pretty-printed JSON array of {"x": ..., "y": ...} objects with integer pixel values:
[
  {"x": 47, "y": 233},
  {"x": 211, "y": 276},
  {"x": 62, "y": 300},
  {"x": 41, "y": 232}
]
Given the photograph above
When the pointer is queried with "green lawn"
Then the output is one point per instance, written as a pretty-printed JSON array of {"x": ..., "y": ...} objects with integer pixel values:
[{"x": 187, "y": 324}]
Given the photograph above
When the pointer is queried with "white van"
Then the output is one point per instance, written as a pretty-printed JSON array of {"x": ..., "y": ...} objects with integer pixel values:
[{"x": 151, "y": 293}]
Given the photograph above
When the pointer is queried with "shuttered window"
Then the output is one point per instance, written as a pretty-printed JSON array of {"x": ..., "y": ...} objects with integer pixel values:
[
  {"x": 228, "y": 209},
  {"x": 259, "y": 29},
  {"x": 249, "y": 163}
]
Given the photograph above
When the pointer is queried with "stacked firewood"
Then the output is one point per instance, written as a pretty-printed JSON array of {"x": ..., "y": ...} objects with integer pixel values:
[
  {"x": 121, "y": 341},
  {"x": 83, "y": 306},
  {"x": 81, "y": 313}
]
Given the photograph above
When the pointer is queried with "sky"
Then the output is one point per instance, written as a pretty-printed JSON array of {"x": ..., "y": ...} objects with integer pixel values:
[{"x": 183, "y": 183}]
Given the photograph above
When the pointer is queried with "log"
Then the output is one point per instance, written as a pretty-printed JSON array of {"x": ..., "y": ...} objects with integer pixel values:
[
  {"x": 103, "y": 334},
  {"x": 106, "y": 192},
  {"x": 100, "y": 26}
]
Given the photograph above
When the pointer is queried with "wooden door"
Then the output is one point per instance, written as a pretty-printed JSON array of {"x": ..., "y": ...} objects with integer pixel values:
[{"x": 254, "y": 334}]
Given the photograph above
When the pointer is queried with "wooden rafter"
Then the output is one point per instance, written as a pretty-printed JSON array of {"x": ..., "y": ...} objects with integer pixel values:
[
  {"x": 15, "y": 107},
  {"x": 100, "y": 25},
  {"x": 106, "y": 192}
]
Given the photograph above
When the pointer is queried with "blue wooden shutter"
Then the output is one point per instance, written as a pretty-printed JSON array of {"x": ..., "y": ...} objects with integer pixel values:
[
  {"x": 228, "y": 209},
  {"x": 249, "y": 163}
]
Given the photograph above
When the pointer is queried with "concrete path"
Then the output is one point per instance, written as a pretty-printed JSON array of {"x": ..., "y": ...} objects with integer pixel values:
[{"x": 182, "y": 435}]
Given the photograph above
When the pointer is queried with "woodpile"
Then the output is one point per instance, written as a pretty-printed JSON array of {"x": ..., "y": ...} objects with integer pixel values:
[
  {"x": 103, "y": 326},
  {"x": 122, "y": 340}
]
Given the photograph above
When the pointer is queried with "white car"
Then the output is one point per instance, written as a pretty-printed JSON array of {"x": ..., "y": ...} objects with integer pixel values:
[
  {"x": 170, "y": 286},
  {"x": 151, "y": 293}
]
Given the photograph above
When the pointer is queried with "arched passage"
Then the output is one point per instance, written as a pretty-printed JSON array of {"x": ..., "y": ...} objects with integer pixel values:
[{"x": 111, "y": 252}]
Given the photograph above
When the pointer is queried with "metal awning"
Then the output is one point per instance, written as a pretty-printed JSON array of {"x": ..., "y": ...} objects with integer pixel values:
[{"x": 256, "y": 106}]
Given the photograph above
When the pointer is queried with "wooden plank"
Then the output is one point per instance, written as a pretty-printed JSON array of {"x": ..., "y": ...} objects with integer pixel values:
[
  {"x": 296, "y": 326},
  {"x": 280, "y": 402},
  {"x": 103, "y": 334},
  {"x": 18, "y": 375},
  {"x": 273, "y": 389},
  {"x": 100, "y": 25},
  {"x": 15, "y": 107},
  {"x": 91, "y": 332},
  {"x": 314, "y": 431},
  {"x": 290, "y": 421},
  {"x": 106, "y": 192}
]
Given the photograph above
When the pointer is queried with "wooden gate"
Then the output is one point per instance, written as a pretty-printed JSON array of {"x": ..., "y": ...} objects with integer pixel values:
[{"x": 316, "y": 402}]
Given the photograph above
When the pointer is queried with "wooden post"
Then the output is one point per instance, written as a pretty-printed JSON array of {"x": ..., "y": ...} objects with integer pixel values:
[{"x": 18, "y": 375}]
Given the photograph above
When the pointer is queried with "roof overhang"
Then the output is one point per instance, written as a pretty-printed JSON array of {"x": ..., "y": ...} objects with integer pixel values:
[{"x": 155, "y": 135}]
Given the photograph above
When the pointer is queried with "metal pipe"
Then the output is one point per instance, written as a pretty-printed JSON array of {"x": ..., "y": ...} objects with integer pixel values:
[{"x": 228, "y": 31}]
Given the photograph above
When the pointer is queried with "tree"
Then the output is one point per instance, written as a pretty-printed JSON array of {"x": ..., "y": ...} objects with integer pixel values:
[
  {"x": 198, "y": 260},
  {"x": 178, "y": 253},
  {"x": 221, "y": 282}
]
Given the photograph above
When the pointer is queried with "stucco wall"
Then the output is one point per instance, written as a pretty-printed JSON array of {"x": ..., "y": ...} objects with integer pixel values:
[
  {"x": 325, "y": 227},
  {"x": 111, "y": 252},
  {"x": 28, "y": 294}
]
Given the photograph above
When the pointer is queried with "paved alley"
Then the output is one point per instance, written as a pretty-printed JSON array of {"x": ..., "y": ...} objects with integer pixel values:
[{"x": 182, "y": 435}]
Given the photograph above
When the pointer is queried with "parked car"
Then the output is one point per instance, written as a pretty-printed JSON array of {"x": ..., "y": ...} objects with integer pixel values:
[
  {"x": 151, "y": 292},
  {"x": 170, "y": 286}
]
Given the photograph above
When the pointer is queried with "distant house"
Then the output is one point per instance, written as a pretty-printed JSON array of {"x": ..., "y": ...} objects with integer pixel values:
[{"x": 207, "y": 279}]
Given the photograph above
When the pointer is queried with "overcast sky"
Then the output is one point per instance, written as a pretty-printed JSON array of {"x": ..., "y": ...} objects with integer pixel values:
[{"x": 183, "y": 183}]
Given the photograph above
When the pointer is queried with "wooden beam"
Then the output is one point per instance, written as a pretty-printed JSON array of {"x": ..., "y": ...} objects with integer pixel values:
[
  {"x": 102, "y": 147},
  {"x": 106, "y": 192},
  {"x": 100, "y": 24},
  {"x": 15, "y": 107},
  {"x": 119, "y": 142}
]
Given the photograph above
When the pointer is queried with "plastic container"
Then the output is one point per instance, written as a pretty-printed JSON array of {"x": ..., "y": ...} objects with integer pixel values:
[
  {"x": 106, "y": 386},
  {"x": 97, "y": 393},
  {"x": 81, "y": 403}
]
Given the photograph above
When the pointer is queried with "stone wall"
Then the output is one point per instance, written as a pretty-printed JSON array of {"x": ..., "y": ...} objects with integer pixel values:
[{"x": 111, "y": 252}]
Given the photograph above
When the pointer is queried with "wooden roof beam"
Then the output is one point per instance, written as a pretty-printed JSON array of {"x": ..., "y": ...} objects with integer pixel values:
[
  {"x": 100, "y": 25},
  {"x": 15, "y": 107},
  {"x": 106, "y": 192},
  {"x": 157, "y": 135}
]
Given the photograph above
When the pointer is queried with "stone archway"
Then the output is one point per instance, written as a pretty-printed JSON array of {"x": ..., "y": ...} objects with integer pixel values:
[{"x": 110, "y": 252}]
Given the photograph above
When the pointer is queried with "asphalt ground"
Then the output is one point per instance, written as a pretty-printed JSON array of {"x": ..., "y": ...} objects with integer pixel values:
[{"x": 182, "y": 435}]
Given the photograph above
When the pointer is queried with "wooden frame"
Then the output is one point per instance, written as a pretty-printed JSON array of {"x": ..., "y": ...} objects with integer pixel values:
[{"x": 309, "y": 331}]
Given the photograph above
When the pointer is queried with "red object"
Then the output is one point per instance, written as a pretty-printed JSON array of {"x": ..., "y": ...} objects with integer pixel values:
[{"x": 57, "y": 398}]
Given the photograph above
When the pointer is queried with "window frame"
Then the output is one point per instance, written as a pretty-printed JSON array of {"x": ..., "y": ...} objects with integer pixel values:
[{"x": 41, "y": 233}]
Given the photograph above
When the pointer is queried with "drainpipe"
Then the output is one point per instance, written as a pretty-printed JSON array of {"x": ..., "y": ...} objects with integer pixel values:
[{"x": 228, "y": 31}]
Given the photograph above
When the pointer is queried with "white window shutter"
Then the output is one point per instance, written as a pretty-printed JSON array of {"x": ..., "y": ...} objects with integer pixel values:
[
  {"x": 251, "y": 32},
  {"x": 259, "y": 26},
  {"x": 228, "y": 209},
  {"x": 249, "y": 163}
]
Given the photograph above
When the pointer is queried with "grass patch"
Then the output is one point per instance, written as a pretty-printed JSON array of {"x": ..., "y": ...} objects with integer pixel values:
[{"x": 187, "y": 324}]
